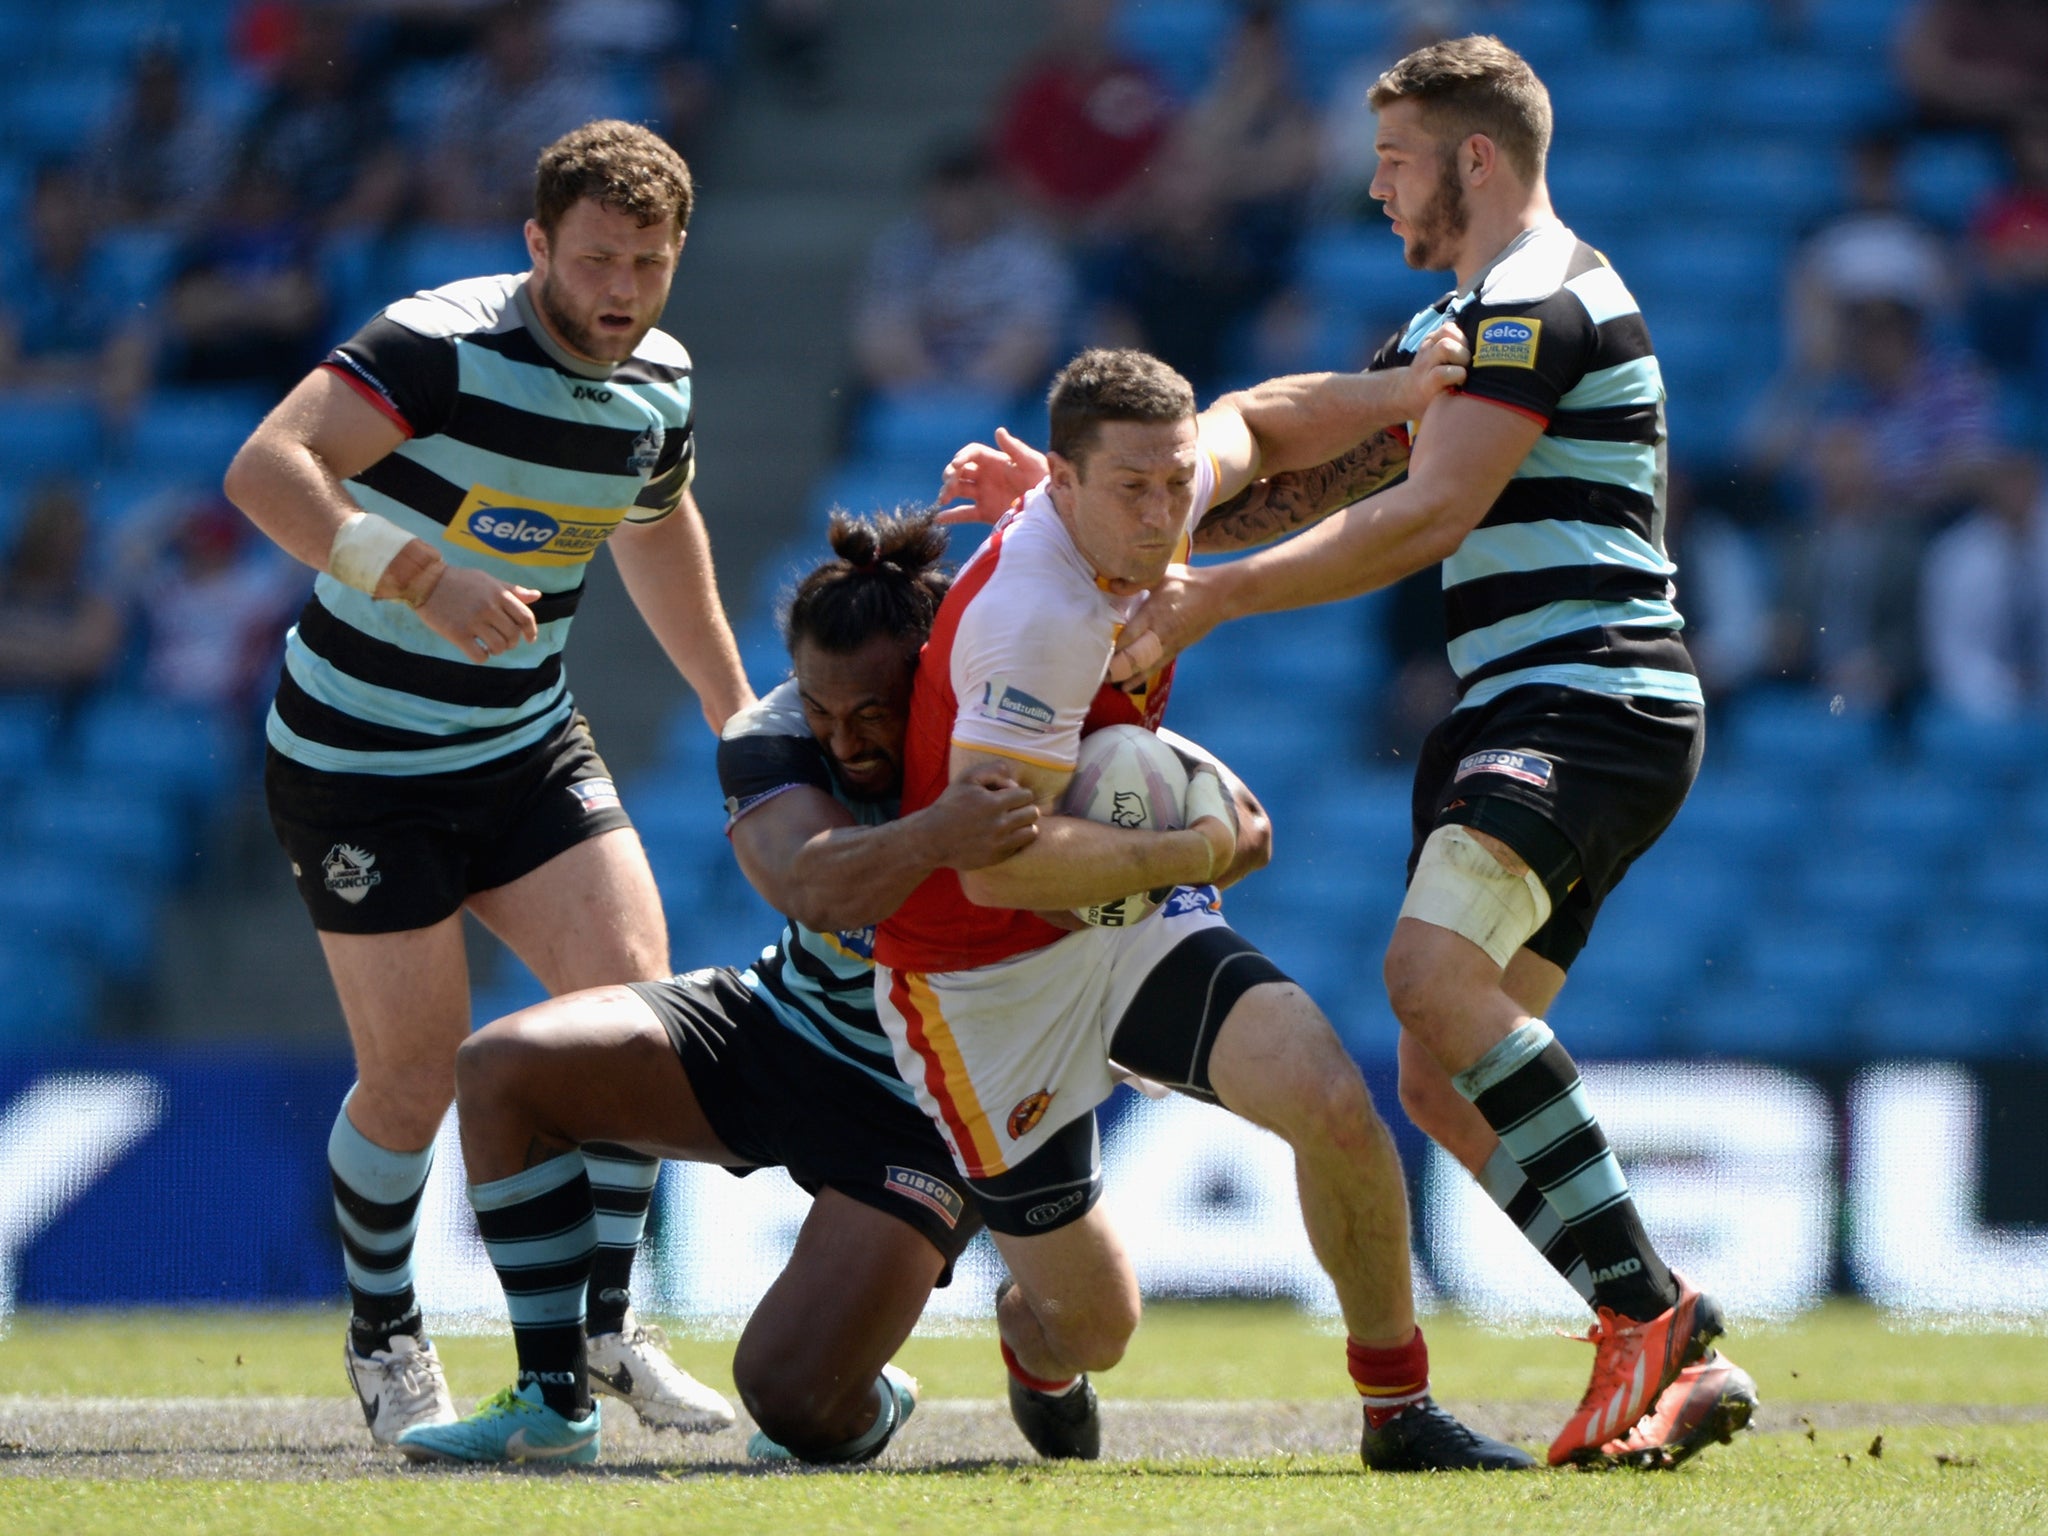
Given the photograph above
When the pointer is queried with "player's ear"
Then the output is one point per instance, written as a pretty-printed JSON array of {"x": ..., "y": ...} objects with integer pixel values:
[
  {"x": 1478, "y": 159},
  {"x": 537, "y": 245}
]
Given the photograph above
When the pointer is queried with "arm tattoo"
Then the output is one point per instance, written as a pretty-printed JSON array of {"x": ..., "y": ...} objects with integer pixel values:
[{"x": 1287, "y": 503}]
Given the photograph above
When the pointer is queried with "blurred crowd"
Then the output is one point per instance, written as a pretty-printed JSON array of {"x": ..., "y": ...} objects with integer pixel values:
[
  {"x": 1877, "y": 522},
  {"x": 238, "y": 212}
]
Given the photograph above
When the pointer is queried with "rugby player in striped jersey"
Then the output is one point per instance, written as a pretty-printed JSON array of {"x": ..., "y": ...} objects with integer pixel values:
[{"x": 450, "y": 471}]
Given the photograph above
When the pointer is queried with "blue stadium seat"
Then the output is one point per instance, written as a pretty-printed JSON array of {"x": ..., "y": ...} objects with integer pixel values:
[
  {"x": 2009, "y": 880},
  {"x": 1596, "y": 97},
  {"x": 28, "y": 733},
  {"x": 428, "y": 258},
  {"x": 1946, "y": 742},
  {"x": 1706, "y": 266},
  {"x": 1180, "y": 39},
  {"x": 1862, "y": 29},
  {"x": 73, "y": 909},
  {"x": 1867, "y": 883},
  {"x": 1945, "y": 177},
  {"x": 1551, "y": 34},
  {"x": 865, "y": 485},
  {"x": 47, "y": 112},
  {"x": 926, "y": 426},
  {"x": 45, "y": 997},
  {"x": 1597, "y": 183},
  {"x": 1326, "y": 38},
  {"x": 44, "y": 435},
  {"x": 1796, "y": 729},
  {"x": 1811, "y": 93},
  {"x": 1601, "y": 1020},
  {"x": 177, "y": 749},
  {"x": 1357, "y": 269},
  {"x": 1818, "y": 963},
  {"x": 1702, "y": 29},
  {"x": 106, "y": 824},
  {"x": 2000, "y": 961},
  {"x": 1767, "y": 182},
  {"x": 1913, "y": 817},
  {"x": 137, "y": 260},
  {"x": 192, "y": 434},
  {"x": 1923, "y": 1019},
  {"x": 1754, "y": 1021}
]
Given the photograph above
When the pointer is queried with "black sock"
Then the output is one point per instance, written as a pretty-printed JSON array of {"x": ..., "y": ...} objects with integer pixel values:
[
  {"x": 622, "y": 1183},
  {"x": 540, "y": 1228},
  {"x": 1502, "y": 1179},
  {"x": 1528, "y": 1089}
]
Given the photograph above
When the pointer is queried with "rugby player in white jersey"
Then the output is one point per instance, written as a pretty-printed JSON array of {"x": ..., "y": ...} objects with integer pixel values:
[
  {"x": 1007, "y": 1022},
  {"x": 449, "y": 472}
]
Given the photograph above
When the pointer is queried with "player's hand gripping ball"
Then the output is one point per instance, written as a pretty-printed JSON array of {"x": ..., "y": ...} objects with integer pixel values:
[{"x": 1127, "y": 777}]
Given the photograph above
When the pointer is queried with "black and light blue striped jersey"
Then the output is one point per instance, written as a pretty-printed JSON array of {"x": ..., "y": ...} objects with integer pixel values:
[
  {"x": 1565, "y": 581},
  {"x": 821, "y": 985},
  {"x": 519, "y": 460}
]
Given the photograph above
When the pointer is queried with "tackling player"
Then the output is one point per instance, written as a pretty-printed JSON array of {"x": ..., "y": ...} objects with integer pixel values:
[
  {"x": 450, "y": 471},
  {"x": 1579, "y": 724},
  {"x": 1008, "y": 1024}
]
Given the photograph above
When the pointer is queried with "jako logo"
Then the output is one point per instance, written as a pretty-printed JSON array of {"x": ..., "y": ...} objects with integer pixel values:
[
  {"x": 1050, "y": 1212},
  {"x": 514, "y": 531},
  {"x": 1616, "y": 1271},
  {"x": 590, "y": 392}
]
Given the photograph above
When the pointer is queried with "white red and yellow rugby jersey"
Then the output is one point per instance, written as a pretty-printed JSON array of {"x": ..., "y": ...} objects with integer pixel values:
[{"x": 1015, "y": 664}]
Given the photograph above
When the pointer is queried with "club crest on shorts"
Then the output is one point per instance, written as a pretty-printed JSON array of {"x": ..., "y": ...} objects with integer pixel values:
[
  {"x": 1029, "y": 1112},
  {"x": 349, "y": 872},
  {"x": 935, "y": 1194},
  {"x": 1525, "y": 767},
  {"x": 595, "y": 794}
]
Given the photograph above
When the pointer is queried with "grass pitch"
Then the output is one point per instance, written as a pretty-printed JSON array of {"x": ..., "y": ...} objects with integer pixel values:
[{"x": 1864, "y": 1429}]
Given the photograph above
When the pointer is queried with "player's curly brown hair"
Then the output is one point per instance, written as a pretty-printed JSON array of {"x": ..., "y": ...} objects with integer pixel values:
[
  {"x": 622, "y": 166},
  {"x": 1475, "y": 84},
  {"x": 1111, "y": 384},
  {"x": 883, "y": 579}
]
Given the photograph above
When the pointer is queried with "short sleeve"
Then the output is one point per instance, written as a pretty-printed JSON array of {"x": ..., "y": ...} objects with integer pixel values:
[
  {"x": 673, "y": 472},
  {"x": 412, "y": 378},
  {"x": 1025, "y": 684},
  {"x": 766, "y": 749},
  {"x": 1527, "y": 356}
]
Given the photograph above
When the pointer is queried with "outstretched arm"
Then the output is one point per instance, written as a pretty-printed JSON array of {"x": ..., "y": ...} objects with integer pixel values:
[{"x": 1288, "y": 502}]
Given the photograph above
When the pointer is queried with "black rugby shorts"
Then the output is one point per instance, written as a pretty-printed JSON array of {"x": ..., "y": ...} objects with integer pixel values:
[
  {"x": 384, "y": 853},
  {"x": 1579, "y": 784}
]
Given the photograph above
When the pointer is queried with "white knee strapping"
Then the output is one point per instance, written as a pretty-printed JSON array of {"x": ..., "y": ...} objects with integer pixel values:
[{"x": 1461, "y": 886}]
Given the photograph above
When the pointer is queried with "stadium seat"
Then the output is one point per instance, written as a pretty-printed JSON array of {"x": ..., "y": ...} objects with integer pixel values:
[
  {"x": 107, "y": 823},
  {"x": 1869, "y": 884},
  {"x": 1602, "y": 1020},
  {"x": 28, "y": 733},
  {"x": 1356, "y": 269},
  {"x": 1597, "y": 97},
  {"x": 1754, "y": 1021},
  {"x": 1702, "y": 29},
  {"x": 178, "y": 749},
  {"x": 1766, "y": 182},
  {"x": 42, "y": 434},
  {"x": 1922, "y": 1019},
  {"x": 428, "y": 258},
  {"x": 1945, "y": 177},
  {"x": 1811, "y": 93},
  {"x": 1946, "y": 742},
  {"x": 926, "y": 426},
  {"x": 1180, "y": 39},
  {"x": 1999, "y": 960},
  {"x": 137, "y": 260},
  {"x": 1599, "y": 184},
  {"x": 46, "y": 998},
  {"x": 1795, "y": 730},
  {"x": 1326, "y": 38},
  {"x": 77, "y": 910},
  {"x": 192, "y": 434},
  {"x": 866, "y": 485},
  {"x": 1912, "y": 817},
  {"x": 1552, "y": 35},
  {"x": 1855, "y": 28},
  {"x": 47, "y": 111},
  {"x": 1817, "y": 962},
  {"x": 1711, "y": 266}
]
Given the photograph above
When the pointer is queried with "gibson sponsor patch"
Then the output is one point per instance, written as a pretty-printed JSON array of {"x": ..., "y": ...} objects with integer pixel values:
[
  {"x": 934, "y": 1194},
  {"x": 1526, "y": 767}
]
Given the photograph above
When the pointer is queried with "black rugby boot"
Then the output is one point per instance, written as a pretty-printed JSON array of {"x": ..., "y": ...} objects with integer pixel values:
[
  {"x": 1424, "y": 1438},
  {"x": 1064, "y": 1426}
]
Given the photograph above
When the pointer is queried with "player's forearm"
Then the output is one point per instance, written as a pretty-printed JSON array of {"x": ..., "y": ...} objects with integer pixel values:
[
  {"x": 1295, "y": 499},
  {"x": 291, "y": 493},
  {"x": 668, "y": 573},
  {"x": 853, "y": 877},
  {"x": 1308, "y": 419},
  {"x": 1076, "y": 863},
  {"x": 1361, "y": 548}
]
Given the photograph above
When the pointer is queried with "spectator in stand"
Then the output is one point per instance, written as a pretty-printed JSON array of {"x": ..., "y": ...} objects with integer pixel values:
[
  {"x": 1984, "y": 600},
  {"x": 322, "y": 130},
  {"x": 214, "y": 599},
  {"x": 246, "y": 304},
  {"x": 1215, "y": 227},
  {"x": 160, "y": 158},
  {"x": 1877, "y": 232},
  {"x": 2009, "y": 247},
  {"x": 1901, "y": 438},
  {"x": 1976, "y": 61},
  {"x": 1084, "y": 122},
  {"x": 66, "y": 328},
  {"x": 681, "y": 47},
  {"x": 963, "y": 293},
  {"x": 60, "y": 632},
  {"x": 518, "y": 91}
]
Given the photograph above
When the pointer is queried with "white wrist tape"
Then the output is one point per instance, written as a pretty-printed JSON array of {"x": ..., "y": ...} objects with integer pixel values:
[
  {"x": 1207, "y": 796},
  {"x": 1461, "y": 886},
  {"x": 363, "y": 549}
]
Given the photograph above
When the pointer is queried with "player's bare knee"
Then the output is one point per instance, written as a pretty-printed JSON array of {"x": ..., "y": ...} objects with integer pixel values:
[
  {"x": 807, "y": 1413},
  {"x": 1091, "y": 1337},
  {"x": 492, "y": 1063}
]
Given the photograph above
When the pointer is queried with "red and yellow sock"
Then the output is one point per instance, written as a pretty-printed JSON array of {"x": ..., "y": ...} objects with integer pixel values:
[{"x": 1389, "y": 1379}]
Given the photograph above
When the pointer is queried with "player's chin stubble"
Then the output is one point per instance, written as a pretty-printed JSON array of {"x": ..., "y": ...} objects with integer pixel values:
[
  {"x": 1440, "y": 225},
  {"x": 580, "y": 337}
]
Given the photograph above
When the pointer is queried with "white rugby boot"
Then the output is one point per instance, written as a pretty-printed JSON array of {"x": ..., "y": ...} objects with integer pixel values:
[
  {"x": 399, "y": 1387},
  {"x": 632, "y": 1365}
]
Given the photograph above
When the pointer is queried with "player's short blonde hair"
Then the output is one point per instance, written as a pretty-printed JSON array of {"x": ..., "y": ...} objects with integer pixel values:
[
  {"x": 621, "y": 165},
  {"x": 1475, "y": 84}
]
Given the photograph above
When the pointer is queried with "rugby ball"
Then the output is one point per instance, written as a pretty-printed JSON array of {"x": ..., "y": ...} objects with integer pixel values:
[{"x": 1126, "y": 777}]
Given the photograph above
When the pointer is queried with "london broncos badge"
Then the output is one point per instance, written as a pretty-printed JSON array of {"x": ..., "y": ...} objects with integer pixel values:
[{"x": 350, "y": 872}]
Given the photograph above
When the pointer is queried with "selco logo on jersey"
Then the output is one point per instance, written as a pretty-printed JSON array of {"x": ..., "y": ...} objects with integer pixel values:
[
  {"x": 1508, "y": 341},
  {"x": 530, "y": 532}
]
